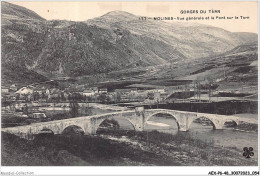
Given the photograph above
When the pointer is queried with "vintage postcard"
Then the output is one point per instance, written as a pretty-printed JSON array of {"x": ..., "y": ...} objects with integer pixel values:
[{"x": 94, "y": 83}]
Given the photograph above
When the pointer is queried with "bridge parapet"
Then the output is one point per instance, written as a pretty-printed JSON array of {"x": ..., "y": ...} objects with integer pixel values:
[
  {"x": 138, "y": 119},
  {"x": 184, "y": 119}
]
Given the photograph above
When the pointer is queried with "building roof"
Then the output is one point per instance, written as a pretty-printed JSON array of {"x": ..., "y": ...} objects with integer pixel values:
[
  {"x": 13, "y": 85},
  {"x": 24, "y": 90},
  {"x": 94, "y": 88}
]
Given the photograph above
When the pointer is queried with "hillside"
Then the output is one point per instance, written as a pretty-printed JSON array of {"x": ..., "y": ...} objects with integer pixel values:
[
  {"x": 18, "y": 11},
  {"x": 20, "y": 76},
  {"x": 234, "y": 70},
  {"x": 191, "y": 40},
  {"x": 114, "y": 41}
]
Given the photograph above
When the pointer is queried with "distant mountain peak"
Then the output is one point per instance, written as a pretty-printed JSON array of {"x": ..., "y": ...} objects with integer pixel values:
[{"x": 118, "y": 13}]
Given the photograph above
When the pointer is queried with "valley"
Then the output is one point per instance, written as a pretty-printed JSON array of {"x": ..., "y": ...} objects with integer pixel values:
[{"x": 80, "y": 92}]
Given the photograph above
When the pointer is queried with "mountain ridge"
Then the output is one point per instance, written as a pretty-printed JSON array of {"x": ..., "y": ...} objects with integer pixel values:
[
  {"x": 19, "y": 11},
  {"x": 176, "y": 33},
  {"x": 106, "y": 43}
]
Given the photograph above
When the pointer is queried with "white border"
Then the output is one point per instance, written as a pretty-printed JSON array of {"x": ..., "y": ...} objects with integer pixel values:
[
  {"x": 126, "y": 170},
  {"x": 117, "y": 170}
]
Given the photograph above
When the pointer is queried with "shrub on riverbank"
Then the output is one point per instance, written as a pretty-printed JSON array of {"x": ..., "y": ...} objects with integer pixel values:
[
  {"x": 183, "y": 145},
  {"x": 119, "y": 148},
  {"x": 247, "y": 126},
  {"x": 79, "y": 150}
]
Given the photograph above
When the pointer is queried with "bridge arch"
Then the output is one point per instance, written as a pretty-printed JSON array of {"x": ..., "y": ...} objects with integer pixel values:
[
  {"x": 62, "y": 126},
  {"x": 45, "y": 132},
  {"x": 198, "y": 117},
  {"x": 230, "y": 120},
  {"x": 70, "y": 127},
  {"x": 167, "y": 113},
  {"x": 97, "y": 125}
]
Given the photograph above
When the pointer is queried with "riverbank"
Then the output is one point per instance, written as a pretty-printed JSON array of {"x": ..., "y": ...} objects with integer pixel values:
[
  {"x": 248, "y": 127},
  {"x": 120, "y": 148}
]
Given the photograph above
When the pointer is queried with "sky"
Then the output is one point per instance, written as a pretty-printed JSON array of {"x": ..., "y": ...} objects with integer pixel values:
[{"x": 81, "y": 11}]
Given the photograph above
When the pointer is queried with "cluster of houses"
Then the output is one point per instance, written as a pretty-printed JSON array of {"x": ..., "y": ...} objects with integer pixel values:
[
  {"x": 124, "y": 94},
  {"x": 45, "y": 93},
  {"x": 94, "y": 94},
  {"x": 154, "y": 95},
  {"x": 11, "y": 88},
  {"x": 8, "y": 92}
]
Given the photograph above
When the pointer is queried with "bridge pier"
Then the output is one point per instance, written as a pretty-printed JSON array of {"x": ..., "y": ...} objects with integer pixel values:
[
  {"x": 183, "y": 129},
  {"x": 92, "y": 130},
  {"x": 218, "y": 123},
  {"x": 137, "y": 118},
  {"x": 185, "y": 120},
  {"x": 218, "y": 127}
]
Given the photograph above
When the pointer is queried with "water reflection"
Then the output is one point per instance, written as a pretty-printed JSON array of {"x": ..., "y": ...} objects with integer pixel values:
[{"x": 228, "y": 137}]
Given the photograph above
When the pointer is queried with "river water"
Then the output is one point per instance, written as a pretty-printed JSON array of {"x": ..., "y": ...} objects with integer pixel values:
[{"x": 228, "y": 137}]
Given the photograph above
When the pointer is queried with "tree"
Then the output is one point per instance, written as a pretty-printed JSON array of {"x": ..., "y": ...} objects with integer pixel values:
[
  {"x": 36, "y": 96},
  {"x": 74, "y": 108},
  {"x": 117, "y": 97},
  {"x": 150, "y": 95},
  {"x": 88, "y": 110},
  {"x": 43, "y": 95},
  {"x": 25, "y": 109},
  {"x": 102, "y": 98},
  {"x": 17, "y": 97}
]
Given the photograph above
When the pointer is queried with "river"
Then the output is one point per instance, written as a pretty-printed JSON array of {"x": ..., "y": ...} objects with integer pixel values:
[{"x": 228, "y": 137}]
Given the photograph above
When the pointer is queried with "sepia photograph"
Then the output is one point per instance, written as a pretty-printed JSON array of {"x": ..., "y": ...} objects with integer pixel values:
[{"x": 129, "y": 84}]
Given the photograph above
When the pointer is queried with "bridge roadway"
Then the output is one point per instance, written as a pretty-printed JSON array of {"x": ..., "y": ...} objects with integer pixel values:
[{"x": 137, "y": 118}]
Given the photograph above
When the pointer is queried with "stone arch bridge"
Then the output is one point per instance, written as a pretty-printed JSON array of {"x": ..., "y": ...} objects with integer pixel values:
[{"x": 137, "y": 118}]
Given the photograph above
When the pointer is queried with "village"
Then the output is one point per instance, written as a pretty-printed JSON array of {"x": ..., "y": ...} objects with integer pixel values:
[
  {"x": 57, "y": 91},
  {"x": 47, "y": 93}
]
